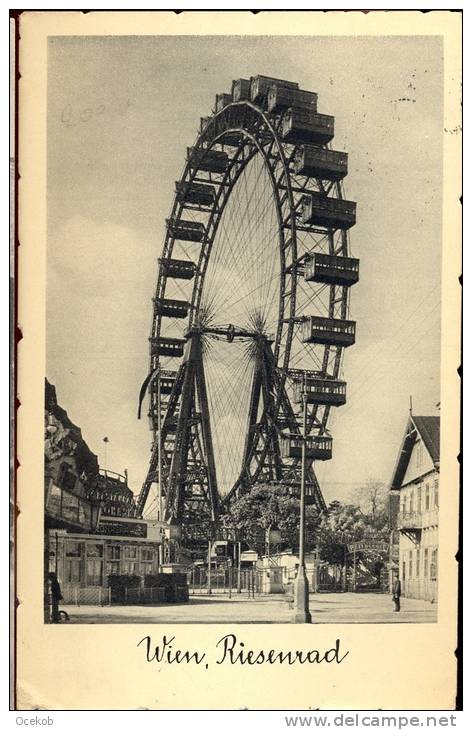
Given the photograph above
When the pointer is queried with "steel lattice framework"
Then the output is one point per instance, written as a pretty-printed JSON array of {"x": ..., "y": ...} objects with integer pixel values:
[{"x": 251, "y": 303}]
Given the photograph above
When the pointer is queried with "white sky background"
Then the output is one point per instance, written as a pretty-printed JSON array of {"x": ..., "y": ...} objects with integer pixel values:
[{"x": 121, "y": 114}]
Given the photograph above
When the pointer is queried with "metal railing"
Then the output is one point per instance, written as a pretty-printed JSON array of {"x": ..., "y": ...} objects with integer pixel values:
[
  {"x": 99, "y": 596},
  {"x": 411, "y": 520}
]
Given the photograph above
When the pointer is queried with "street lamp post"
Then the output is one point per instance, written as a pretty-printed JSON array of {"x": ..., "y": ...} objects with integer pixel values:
[
  {"x": 159, "y": 464},
  {"x": 301, "y": 610},
  {"x": 209, "y": 567},
  {"x": 239, "y": 566}
]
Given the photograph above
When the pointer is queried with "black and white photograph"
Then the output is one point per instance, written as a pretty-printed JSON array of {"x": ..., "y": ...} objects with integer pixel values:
[
  {"x": 244, "y": 316},
  {"x": 253, "y": 253}
]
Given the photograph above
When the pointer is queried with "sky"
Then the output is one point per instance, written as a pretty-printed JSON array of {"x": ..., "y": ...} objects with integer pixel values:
[{"x": 121, "y": 113}]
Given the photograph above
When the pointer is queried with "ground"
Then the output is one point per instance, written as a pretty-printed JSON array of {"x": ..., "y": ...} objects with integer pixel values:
[{"x": 326, "y": 608}]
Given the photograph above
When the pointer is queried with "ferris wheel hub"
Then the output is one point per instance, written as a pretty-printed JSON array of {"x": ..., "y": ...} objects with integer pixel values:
[{"x": 230, "y": 333}]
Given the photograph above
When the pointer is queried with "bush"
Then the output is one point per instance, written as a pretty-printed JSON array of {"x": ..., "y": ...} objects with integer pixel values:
[
  {"x": 159, "y": 580},
  {"x": 169, "y": 581},
  {"x": 119, "y": 584},
  {"x": 125, "y": 581}
]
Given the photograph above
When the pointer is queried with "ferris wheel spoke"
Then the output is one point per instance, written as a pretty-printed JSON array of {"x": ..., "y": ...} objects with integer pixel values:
[
  {"x": 243, "y": 248},
  {"x": 253, "y": 258},
  {"x": 228, "y": 378},
  {"x": 252, "y": 261}
]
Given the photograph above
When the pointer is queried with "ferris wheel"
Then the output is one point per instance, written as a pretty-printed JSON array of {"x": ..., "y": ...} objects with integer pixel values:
[{"x": 251, "y": 309}]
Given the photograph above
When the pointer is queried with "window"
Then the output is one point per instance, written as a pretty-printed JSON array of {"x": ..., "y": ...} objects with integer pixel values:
[
  {"x": 410, "y": 563},
  {"x": 434, "y": 564},
  {"x": 403, "y": 571},
  {"x": 73, "y": 571},
  {"x": 436, "y": 492},
  {"x": 113, "y": 552},
  {"x": 147, "y": 554},
  {"x": 131, "y": 553},
  {"x": 94, "y": 572},
  {"x": 427, "y": 498},
  {"x": 146, "y": 568},
  {"x": 411, "y": 501},
  {"x": 130, "y": 567},
  {"x": 417, "y": 562},
  {"x": 73, "y": 549},
  {"x": 426, "y": 563},
  {"x": 94, "y": 550},
  {"x": 113, "y": 567}
]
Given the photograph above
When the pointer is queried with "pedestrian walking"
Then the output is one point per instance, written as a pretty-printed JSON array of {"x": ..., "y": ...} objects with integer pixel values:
[
  {"x": 56, "y": 596},
  {"x": 396, "y": 593}
]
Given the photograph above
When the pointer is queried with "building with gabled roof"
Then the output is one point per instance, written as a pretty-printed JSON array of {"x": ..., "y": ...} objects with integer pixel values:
[{"x": 415, "y": 491}]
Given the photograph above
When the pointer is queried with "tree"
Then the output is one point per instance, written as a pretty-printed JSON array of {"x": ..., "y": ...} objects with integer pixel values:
[
  {"x": 265, "y": 505},
  {"x": 348, "y": 523},
  {"x": 372, "y": 499},
  {"x": 343, "y": 523}
]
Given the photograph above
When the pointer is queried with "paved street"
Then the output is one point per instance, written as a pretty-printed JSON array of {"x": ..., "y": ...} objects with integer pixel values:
[{"x": 328, "y": 608}]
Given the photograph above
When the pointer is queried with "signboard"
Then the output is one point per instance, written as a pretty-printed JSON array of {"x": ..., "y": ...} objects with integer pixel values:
[
  {"x": 249, "y": 556},
  {"x": 129, "y": 527},
  {"x": 156, "y": 530},
  {"x": 219, "y": 548},
  {"x": 123, "y": 528},
  {"x": 372, "y": 545}
]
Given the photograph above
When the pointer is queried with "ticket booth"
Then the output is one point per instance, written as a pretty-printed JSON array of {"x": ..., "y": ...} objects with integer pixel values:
[{"x": 272, "y": 579}]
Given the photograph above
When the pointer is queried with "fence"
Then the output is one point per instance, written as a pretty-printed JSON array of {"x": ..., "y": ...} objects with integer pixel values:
[
  {"x": 86, "y": 595},
  {"x": 249, "y": 581},
  {"x": 224, "y": 580},
  {"x": 97, "y": 596}
]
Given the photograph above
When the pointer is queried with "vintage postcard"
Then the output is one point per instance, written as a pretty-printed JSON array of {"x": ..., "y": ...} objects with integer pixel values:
[{"x": 239, "y": 299}]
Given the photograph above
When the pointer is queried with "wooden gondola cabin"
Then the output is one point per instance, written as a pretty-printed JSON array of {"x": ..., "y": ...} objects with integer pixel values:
[
  {"x": 241, "y": 89},
  {"x": 320, "y": 163},
  {"x": 195, "y": 194},
  {"x": 328, "y": 331},
  {"x": 186, "y": 230},
  {"x": 320, "y": 391},
  {"x": 178, "y": 268},
  {"x": 301, "y": 126},
  {"x": 320, "y": 210},
  {"x": 207, "y": 160},
  {"x": 167, "y": 346},
  {"x": 260, "y": 86},
  {"x": 326, "y": 269},
  {"x": 317, "y": 447}
]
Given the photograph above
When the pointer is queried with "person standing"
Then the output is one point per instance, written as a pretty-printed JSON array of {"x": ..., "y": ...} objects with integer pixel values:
[
  {"x": 396, "y": 593},
  {"x": 56, "y": 596}
]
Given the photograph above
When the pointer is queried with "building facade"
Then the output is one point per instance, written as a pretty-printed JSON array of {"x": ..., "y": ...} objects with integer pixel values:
[
  {"x": 415, "y": 485},
  {"x": 117, "y": 497},
  {"x": 83, "y": 562},
  {"x": 72, "y": 493},
  {"x": 91, "y": 531}
]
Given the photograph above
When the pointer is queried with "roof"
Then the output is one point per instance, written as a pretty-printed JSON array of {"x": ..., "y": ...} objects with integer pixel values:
[
  {"x": 86, "y": 461},
  {"x": 428, "y": 429}
]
